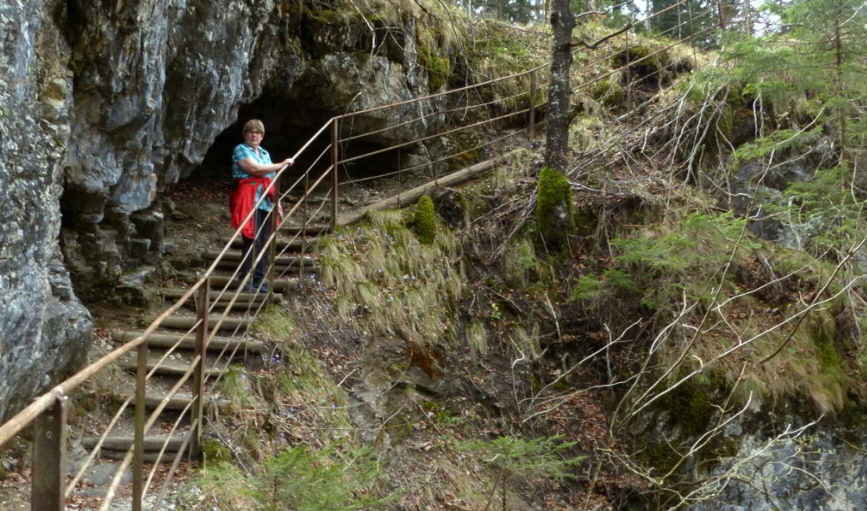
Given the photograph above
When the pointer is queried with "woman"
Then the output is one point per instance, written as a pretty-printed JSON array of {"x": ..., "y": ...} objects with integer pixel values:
[{"x": 252, "y": 172}]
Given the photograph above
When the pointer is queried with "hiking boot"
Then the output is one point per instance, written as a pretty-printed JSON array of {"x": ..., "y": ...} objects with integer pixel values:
[{"x": 261, "y": 287}]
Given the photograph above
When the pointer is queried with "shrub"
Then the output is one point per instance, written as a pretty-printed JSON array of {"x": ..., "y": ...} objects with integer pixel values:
[
  {"x": 425, "y": 220},
  {"x": 515, "y": 459}
]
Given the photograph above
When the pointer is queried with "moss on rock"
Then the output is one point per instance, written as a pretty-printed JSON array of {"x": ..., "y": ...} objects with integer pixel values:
[
  {"x": 425, "y": 220},
  {"x": 214, "y": 452},
  {"x": 608, "y": 92},
  {"x": 438, "y": 66}
]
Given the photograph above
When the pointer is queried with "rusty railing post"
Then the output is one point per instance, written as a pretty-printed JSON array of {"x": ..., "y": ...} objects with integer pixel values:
[
  {"x": 199, "y": 372},
  {"x": 272, "y": 255},
  {"x": 532, "y": 105},
  {"x": 304, "y": 226},
  {"x": 399, "y": 177},
  {"x": 335, "y": 155},
  {"x": 138, "y": 435},
  {"x": 49, "y": 458},
  {"x": 628, "y": 73}
]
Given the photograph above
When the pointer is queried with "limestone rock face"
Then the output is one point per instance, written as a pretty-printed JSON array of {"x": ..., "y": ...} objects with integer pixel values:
[
  {"x": 44, "y": 329},
  {"x": 820, "y": 471},
  {"x": 156, "y": 82}
]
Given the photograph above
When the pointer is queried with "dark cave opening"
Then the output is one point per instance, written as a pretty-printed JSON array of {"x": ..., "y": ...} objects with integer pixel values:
[{"x": 288, "y": 126}]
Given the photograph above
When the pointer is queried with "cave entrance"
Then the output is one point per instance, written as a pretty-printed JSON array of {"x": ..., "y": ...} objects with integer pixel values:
[{"x": 288, "y": 125}]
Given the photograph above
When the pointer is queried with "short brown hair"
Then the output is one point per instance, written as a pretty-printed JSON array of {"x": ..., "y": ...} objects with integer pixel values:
[{"x": 254, "y": 125}]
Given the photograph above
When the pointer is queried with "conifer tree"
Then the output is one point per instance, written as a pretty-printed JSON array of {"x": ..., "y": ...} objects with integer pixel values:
[{"x": 811, "y": 69}]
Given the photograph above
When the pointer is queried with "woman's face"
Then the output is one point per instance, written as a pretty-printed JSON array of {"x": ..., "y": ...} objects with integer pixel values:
[{"x": 253, "y": 138}]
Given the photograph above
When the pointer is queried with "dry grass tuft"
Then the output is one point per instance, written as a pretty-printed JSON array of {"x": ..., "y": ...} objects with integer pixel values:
[{"x": 391, "y": 284}]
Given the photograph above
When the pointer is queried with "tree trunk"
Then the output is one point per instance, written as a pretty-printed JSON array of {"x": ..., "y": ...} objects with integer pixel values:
[
  {"x": 557, "y": 145},
  {"x": 721, "y": 11}
]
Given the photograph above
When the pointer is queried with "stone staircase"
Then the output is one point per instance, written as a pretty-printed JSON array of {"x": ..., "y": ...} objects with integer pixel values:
[{"x": 230, "y": 341}]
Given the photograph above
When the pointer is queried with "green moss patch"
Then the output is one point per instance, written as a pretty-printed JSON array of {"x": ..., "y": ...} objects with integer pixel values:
[
  {"x": 425, "y": 220},
  {"x": 554, "y": 207}
]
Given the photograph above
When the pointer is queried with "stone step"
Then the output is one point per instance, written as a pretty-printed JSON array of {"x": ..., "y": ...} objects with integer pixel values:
[
  {"x": 237, "y": 307},
  {"x": 290, "y": 243},
  {"x": 280, "y": 285},
  {"x": 123, "y": 443},
  {"x": 169, "y": 369},
  {"x": 174, "y": 294},
  {"x": 309, "y": 266},
  {"x": 219, "y": 281},
  {"x": 311, "y": 230},
  {"x": 236, "y": 256},
  {"x": 162, "y": 340},
  {"x": 187, "y": 322},
  {"x": 148, "y": 457},
  {"x": 176, "y": 403}
]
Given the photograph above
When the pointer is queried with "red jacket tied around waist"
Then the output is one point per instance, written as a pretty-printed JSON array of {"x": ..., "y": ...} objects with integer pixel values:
[{"x": 243, "y": 200}]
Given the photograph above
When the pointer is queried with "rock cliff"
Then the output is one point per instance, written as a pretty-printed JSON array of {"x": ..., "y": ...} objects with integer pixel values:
[{"x": 43, "y": 326}]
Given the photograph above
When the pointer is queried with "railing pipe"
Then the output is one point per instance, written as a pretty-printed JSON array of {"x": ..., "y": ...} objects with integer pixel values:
[{"x": 435, "y": 135}]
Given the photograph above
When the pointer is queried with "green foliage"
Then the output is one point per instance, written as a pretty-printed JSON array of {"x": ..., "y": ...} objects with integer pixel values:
[
  {"x": 822, "y": 330},
  {"x": 777, "y": 141},
  {"x": 425, "y": 223},
  {"x": 613, "y": 283},
  {"x": 235, "y": 386},
  {"x": 826, "y": 211},
  {"x": 519, "y": 262},
  {"x": 214, "y": 453},
  {"x": 512, "y": 458},
  {"x": 524, "y": 459},
  {"x": 302, "y": 479},
  {"x": 554, "y": 207},
  {"x": 274, "y": 324},
  {"x": 662, "y": 265},
  {"x": 608, "y": 92},
  {"x": 589, "y": 288},
  {"x": 500, "y": 49},
  {"x": 809, "y": 74},
  {"x": 430, "y": 57}
]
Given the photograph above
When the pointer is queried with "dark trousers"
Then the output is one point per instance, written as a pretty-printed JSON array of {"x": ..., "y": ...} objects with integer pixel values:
[{"x": 259, "y": 245}]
